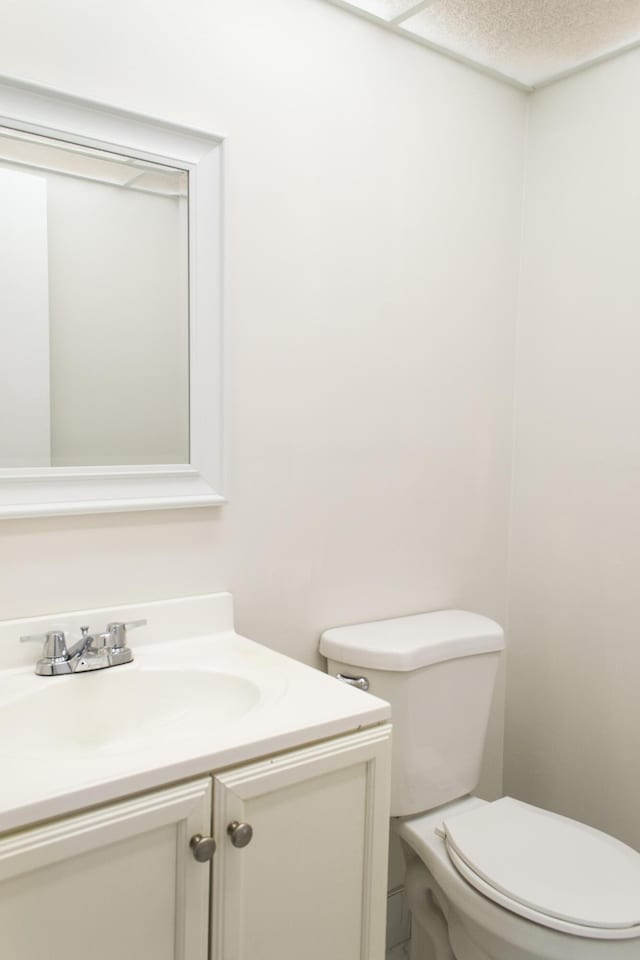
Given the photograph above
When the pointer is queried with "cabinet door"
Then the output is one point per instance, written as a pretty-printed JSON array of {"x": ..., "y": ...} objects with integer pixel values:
[
  {"x": 312, "y": 881},
  {"x": 116, "y": 883}
]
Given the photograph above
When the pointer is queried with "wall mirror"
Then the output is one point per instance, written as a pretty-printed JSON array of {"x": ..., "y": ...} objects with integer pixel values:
[{"x": 110, "y": 309}]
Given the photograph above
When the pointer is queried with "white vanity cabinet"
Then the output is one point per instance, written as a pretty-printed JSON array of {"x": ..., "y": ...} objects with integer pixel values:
[
  {"x": 312, "y": 881},
  {"x": 120, "y": 881}
]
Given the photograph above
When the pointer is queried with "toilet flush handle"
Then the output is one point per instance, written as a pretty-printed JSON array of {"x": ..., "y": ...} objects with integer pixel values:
[{"x": 360, "y": 682}]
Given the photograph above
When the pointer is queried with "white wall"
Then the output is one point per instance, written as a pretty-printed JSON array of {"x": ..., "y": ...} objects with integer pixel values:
[
  {"x": 24, "y": 322},
  {"x": 573, "y": 717},
  {"x": 373, "y": 226}
]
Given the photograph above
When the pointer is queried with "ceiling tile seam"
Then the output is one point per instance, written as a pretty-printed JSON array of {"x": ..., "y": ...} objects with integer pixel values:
[{"x": 411, "y": 12}]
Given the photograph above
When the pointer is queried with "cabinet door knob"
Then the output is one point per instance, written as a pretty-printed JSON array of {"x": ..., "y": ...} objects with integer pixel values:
[
  {"x": 240, "y": 833},
  {"x": 203, "y": 848}
]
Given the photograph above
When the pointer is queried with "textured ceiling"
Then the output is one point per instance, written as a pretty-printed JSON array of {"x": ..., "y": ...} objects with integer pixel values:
[{"x": 529, "y": 41}]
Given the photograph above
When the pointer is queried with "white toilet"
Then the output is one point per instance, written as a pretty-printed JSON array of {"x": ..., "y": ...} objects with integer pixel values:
[{"x": 485, "y": 881}]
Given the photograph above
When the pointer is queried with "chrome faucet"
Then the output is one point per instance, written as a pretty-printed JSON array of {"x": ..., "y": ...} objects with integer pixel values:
[{"x": 93, "y": 651}]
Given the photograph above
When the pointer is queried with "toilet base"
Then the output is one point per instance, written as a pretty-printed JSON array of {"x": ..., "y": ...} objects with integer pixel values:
[
  {"x": 436, "y": 933},
  {"x": 429, "y": 927}
]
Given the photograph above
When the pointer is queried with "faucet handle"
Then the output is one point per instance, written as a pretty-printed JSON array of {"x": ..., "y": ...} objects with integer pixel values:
[
  {"x": 118, "y": 631},
  {"x": 55, "y": 644}
]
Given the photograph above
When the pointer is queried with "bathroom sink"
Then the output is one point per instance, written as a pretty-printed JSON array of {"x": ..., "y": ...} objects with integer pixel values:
[
  {"x": 122, "y": 710},
  {"x": 198, "y": 697}
]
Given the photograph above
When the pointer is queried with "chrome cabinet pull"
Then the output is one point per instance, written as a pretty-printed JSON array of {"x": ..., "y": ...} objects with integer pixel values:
[
  {"x": 240, "y": 833},
  {"x": 203, "y": 848}
]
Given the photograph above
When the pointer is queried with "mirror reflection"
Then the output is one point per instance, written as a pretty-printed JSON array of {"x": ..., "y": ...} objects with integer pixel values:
[{"x": 94, "y": 314}]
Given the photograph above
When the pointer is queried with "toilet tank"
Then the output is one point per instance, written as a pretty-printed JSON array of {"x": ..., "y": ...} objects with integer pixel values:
[{"x": 437, "y": 670}]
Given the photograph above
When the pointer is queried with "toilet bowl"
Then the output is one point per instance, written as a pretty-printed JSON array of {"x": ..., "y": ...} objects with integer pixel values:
[
  {"x": 481, "y": 927},
  {"x": 484, "y": 881}
]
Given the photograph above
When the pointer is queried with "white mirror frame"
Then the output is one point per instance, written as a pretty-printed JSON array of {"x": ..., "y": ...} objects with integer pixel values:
[{"x": 50, "y": 491}]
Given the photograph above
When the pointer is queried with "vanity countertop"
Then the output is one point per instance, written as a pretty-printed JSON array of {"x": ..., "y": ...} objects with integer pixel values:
[{"x": 197, "y": 698}]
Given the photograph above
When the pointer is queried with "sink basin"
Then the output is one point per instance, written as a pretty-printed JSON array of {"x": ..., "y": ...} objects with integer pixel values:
[
  {"x": 197, "y": 698},
  {"x": 123, "y": 710}
]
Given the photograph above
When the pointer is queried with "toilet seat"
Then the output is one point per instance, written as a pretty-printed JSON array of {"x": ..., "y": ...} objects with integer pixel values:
[
  {"x": 544, "y": 920},
  {"x": 549, "y": 869}
]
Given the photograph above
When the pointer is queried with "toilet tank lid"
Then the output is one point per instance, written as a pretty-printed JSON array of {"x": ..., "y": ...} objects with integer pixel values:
[{"x": 408, "y": 643}]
